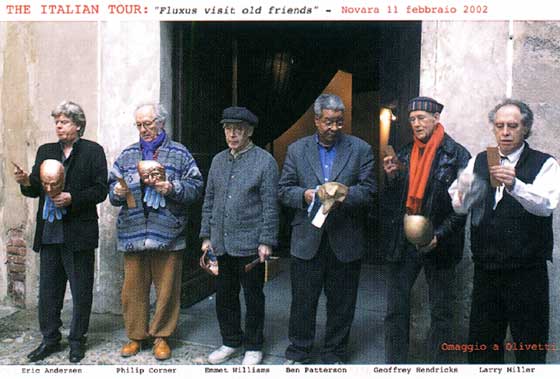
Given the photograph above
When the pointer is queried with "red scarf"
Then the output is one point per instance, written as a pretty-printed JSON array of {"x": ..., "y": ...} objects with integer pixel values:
[{"x": 420, "y": 166}]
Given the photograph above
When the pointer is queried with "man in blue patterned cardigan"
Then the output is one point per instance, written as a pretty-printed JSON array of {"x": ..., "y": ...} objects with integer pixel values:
[{"x": 151, "y": 234}]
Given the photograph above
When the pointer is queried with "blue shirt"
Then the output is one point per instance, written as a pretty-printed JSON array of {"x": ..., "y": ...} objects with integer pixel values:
[{"x": 326, "y": 156}]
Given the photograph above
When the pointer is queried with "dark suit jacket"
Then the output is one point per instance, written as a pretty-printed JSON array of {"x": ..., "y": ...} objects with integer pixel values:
[
  {"x": 345, "y": 226},
  {"x": 86, "y": 180}
]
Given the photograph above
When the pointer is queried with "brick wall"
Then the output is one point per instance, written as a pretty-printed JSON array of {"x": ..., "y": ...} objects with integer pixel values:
[{"x": 16, "y": 257}]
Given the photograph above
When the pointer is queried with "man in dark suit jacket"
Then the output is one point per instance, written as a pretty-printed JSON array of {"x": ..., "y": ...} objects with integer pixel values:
[
  {"x": 66, "y": 242},
  {"x": 328, "y": 257}
]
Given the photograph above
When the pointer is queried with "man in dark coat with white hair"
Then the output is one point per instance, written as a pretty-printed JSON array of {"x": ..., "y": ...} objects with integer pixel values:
[{"x": 511, "y": 239}]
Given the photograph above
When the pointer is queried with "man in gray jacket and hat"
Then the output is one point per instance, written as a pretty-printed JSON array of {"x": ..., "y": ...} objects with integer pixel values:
[{"x": 239, "y": 225}]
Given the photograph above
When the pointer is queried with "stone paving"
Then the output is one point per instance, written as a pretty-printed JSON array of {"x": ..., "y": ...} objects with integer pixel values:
[
  {"x": 19, "y": 335},
  {"x": 198, "y": 331}
]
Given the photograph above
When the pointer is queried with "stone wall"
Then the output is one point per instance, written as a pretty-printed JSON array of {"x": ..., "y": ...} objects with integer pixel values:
[
  {"x": 536, "y": 80},
  {"x": 16, "y": 259},
  {"x": 129, "y": 60}
]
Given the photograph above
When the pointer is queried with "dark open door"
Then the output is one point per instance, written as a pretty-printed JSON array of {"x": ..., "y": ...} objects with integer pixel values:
[{"x": 277, "y": 70}]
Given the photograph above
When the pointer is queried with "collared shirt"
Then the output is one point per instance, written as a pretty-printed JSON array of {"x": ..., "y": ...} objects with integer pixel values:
[
  {"x": 508, "y": 161},
  {"x": 245, "y": 149},
  {"x": 326, "y": 156},
  {"x": 539, "y": 198}
]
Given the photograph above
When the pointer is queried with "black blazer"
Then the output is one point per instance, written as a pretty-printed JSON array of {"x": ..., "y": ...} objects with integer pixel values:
[{"x": 86, "y": 181}]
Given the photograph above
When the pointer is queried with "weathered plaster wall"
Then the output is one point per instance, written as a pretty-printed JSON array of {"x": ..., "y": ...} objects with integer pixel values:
[
  {"x": 465, "y": 66},
  {"x": 166, "y": 70},
  {"x": 129, "y": 61},
  {"x": 108, "y": 68},
  {"x": 18, "y": 69},
  {"x": 536, "y": 80},
  {"x": 43, "y": 63}
]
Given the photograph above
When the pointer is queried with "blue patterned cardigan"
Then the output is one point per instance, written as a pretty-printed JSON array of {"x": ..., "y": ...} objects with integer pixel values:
[{"x": 160, "y": 229}]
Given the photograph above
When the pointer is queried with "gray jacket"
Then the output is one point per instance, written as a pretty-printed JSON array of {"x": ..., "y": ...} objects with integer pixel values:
[
  {"x": 240, "y": 209},
  {"x": 346, "y": 226}
]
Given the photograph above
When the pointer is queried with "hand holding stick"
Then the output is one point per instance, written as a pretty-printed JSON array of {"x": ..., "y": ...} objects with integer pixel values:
[
  {"x": 391, "y": 163},
  {"x": 256, "y": 261},
  {"x": 130, "y": 202},
  {"x": 20, "y": 175}
]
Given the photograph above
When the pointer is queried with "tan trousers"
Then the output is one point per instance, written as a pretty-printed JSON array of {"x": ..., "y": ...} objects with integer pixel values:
[{"x": 163, "y": 268}]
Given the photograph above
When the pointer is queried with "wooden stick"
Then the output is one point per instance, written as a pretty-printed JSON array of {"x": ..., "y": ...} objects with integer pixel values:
[
  {"x": 18, "y": 168},
  {"x": 130, "y": 202},
  {"x": 249, "y": 266}
]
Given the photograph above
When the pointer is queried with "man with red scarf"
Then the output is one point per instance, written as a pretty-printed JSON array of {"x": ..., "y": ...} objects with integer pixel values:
[{"x": 417, "y": 183}]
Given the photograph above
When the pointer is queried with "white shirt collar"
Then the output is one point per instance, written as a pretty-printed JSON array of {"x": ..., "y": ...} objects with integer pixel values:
[{"x": 514, "y": 157}]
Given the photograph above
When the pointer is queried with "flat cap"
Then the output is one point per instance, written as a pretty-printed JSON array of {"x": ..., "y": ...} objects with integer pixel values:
[
  {"x": 239, "y": 114},
  {"x": 424, "y": 104}
]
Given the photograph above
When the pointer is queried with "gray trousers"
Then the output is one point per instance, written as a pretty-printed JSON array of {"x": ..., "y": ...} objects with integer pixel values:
[{"x": 441, "y": 283}]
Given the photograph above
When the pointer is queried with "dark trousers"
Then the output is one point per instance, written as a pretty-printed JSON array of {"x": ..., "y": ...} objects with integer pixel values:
[
  {"x": 400, "y": 279},
  {"x": 518, "y": 298},
  {"x": 59, "y": 265},
  {"x": 231, "y": 278},
  {"x": 340, "y": 282}
]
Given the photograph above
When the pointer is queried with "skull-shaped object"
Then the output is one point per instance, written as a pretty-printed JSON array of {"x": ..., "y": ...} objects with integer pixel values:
[
  {"x": 151, "y": 172},
  {"x": 418, "y": 229},
  {"x": 330, "y": 193},
  {"x": 51, "y": 173}
]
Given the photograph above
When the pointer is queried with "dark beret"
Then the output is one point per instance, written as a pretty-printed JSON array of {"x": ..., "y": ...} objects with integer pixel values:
[
  {"x": 239, "y": 114},
  {"x": 424, "y": 104}
]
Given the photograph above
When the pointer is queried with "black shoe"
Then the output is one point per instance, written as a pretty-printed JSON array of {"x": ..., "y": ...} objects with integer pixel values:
[
  {"x": 77, "y": 353},
  {"x": 43, "y": 351}
]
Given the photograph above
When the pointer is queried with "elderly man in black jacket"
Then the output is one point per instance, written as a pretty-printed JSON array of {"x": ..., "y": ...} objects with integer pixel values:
[
  {"x": 417, "y": 184},
  {"x": 66, "y": 241},
  {"x": 511, "y": 238}
]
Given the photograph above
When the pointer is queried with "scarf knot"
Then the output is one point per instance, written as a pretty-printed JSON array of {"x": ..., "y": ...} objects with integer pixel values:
[{"x": 149, "y": 147}]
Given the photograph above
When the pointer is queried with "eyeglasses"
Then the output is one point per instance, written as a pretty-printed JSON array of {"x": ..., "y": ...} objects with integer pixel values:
[
  {"x": 145, "y": 124},
  {"x": 330, "y": 122},
  {"x": 234, "y": 128}
]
